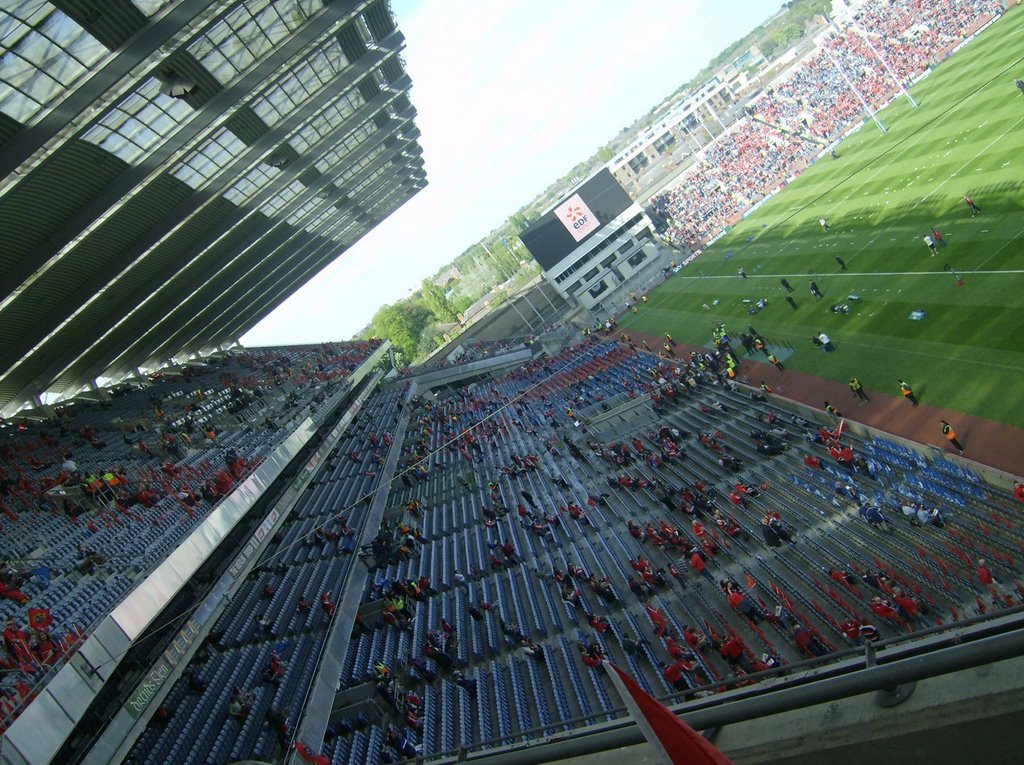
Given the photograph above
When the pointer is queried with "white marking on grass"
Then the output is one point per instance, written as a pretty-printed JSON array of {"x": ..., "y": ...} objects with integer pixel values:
[
  {"x": 1005, "y": 245},
  {"x": 884, "y": 273},
  {"x": 871, "y": 241},
  {"x": 960, "y": 361}
]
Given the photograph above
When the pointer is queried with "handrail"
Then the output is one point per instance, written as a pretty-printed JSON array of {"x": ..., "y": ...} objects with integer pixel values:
[
  {"x": 88, "y": 750},
  {"x": 368, "y": 528}
]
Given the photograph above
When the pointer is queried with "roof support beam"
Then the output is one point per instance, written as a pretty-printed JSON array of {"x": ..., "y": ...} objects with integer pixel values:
[
  {"x": 189, "y": 292},
  {"x": 179, "y": 217},
  {"x": 34, "y": 143},
  {"x": 285, "y": 256},
  {"x": 189, "y": 304},
  {"x": 210, "y": 116}
]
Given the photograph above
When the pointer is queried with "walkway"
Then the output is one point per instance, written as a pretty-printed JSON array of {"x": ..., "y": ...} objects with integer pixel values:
[{"x": 986, "y": 442}]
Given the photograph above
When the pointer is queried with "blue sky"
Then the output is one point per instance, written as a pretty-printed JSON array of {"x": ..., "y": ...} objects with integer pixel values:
[{"x": 510, "y": 95}]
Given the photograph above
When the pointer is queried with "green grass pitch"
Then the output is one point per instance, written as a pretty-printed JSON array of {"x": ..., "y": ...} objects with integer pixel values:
[{"x": 881, "y": 196}]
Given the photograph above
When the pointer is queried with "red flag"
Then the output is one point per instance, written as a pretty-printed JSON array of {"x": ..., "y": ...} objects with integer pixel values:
[
  {"x": 308, "y": 755},
  {"x": 39, "y": 618},
  {"x": 839, "y": 430},
  {"x": 678, "y": 743}
]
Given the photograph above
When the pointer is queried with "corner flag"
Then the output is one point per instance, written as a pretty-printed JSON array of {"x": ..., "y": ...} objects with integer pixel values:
[{"x": 675, "y": 741}]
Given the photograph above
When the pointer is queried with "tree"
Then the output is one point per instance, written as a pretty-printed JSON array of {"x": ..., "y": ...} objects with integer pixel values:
[
  {"x": 605, "y": 153},
  {"x": 402, "y": 324},
  {"x": 431, "y": 338},
  {"x": 519, "y": 222},
  {"x": 788, "y": 34},
  {"x": 436, "y": 300},
  {"x": 507, "y": 262}
]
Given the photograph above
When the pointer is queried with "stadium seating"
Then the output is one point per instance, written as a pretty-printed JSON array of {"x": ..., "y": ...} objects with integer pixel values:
[
  {"x": 309, "y": 557},
  {"x": 813, "y": 104},
  {"x": 122, "y": 480},
  {"x": 827, "y": 578},
  {"x": 526, "y": 517}
]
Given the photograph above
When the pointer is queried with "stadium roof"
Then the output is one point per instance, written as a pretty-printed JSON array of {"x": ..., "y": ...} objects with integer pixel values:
[{"x": 170, "y": 172}]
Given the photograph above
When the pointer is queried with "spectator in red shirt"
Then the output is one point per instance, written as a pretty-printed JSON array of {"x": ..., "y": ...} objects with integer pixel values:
[
  {"x": 733, "y": 651},
  {"x": 811, "y": 461},
  {"x": 10, "y": 591},
  {"x": 806, "y": 641},
  {"x": 884, "y": 609},
  {"x": 694, "y": 638},
  {"x": 742, "y": 603},
  {"x": 698, "y": 564},
  {"x": 673, "y": 676},
  {"x": 657, "y": 618},
  {"x": 986, "y": 577},
  {"x": 222, "y": 483},
  {"x": 906, "y": 605}
]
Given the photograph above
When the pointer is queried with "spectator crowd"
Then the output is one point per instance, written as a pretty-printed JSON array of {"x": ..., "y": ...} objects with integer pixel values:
[{"x": 888, "y": 45}]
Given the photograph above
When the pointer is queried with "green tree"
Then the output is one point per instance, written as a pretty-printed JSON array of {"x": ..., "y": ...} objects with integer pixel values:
[
  {"x": 431, "y": 338},
  {"x": 508, "y": 263},
  {"x": 519, "y": 222},
  {"x": 788, "y": 34},
  {"x": 402, "y": 324},
  {"x": 605, "y": 153},
  {"x": 436, "y": 300}
]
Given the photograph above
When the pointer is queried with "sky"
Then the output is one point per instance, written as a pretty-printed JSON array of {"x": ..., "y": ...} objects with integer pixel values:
[{"x": 510, "y": 95}]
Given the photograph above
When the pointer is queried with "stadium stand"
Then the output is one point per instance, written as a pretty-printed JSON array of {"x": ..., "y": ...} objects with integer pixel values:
[
  {"x": 699, "y": 540},
  {"x": 533, "y": 552},
  {"x": 97, "y": 495},
  {"x": 282, "y": 611},
  {"x": 813, "y": 104}
]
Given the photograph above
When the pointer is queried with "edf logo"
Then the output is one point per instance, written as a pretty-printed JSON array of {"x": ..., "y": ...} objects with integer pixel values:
[{"x": 577, "y": 217}]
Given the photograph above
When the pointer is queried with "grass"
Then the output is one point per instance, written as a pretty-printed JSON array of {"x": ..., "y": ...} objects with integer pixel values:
[{"x": 881, "y": 196}]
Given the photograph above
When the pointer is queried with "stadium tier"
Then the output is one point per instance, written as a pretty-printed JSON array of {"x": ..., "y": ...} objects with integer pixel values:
[
  {"x": 467, "y": 353},
  {"x": 874, "y": 56},
  {"x": 268, "y": 641},
  {"x": 95, "y": 497},
  {"x": 170, "y": 172},
  {"x": 691, "y": 533}
]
